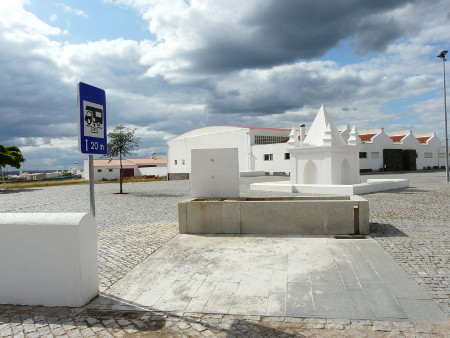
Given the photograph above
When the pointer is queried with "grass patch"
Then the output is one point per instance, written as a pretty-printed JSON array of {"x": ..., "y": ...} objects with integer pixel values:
[
  {"x": 51, "y": 183},
  {"x": 43, "y": 183},
  {"x": 135, "y": 179}
]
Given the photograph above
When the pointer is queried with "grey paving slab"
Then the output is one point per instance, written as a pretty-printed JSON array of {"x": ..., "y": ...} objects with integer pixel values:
[
  {"x": 334, "y": 305},
  {"x": 422, "y": 310},
  {"x": 276, "y": 304},
  {"x": 277, "y": 276},
  {"x": 299, "y": 301},
  {"x": 382, "y": 301},
  {"x": 401, "y": 285},
  {"x": 361, "y": 304}
]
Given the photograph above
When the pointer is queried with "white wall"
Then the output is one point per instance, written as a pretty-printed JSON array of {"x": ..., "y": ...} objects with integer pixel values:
[
  {"x": 278, "y": 164},
  {"x": 105, "y": 173},
  {"x": 432, "y": 146},
  {"x": 180, "y": 149},
  {"x": 156, "y": 171}
]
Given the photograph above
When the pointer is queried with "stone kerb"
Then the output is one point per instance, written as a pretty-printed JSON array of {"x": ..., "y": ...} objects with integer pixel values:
[{"x": 48, "y": 259}]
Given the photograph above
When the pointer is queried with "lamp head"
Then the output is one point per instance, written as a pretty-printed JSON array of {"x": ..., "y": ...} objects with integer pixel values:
[{"x": 442, "y": 55}]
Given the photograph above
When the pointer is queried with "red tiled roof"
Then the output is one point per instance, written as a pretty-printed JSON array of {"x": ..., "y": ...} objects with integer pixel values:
[
  {"x": 423, "y": 139},
  {"x": 112, "y": 163},
  {"x": 366, "y": 137},
  {"x": 148, "y": 160},
  {"x": 397, "y": 138}
]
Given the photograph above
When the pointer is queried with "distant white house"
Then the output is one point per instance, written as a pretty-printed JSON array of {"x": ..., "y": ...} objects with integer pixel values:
[
  {"x": 394, "y": 150},
  {"x": 109, "y": 169},
  {"x": 265, "y": 149}
]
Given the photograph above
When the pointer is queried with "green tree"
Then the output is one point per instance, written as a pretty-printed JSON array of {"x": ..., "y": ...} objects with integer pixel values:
[
  {"x": 121, "y": 143},
  {"x": 11, "y": 156}
]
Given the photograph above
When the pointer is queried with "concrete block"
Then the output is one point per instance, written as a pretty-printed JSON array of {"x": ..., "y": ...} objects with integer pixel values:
[
  {"x": 284, "y": 215},
  {"x": 335, "y": 217},
  {"x": 231, "y": 217},
  {"x": 204, "y": 217},
  {"x": 182, "y": 217},
  {"x": 215, "y": 173},
  {"x": 260, "y": 217},
  {"x": 363, "y": 206},
  {"x": 48, "y": 259}
]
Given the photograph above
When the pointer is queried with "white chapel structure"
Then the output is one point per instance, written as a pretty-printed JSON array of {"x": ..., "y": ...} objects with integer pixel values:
[
  {"x": 323, "y": 156},
  {"x": 323, "y": 162}
]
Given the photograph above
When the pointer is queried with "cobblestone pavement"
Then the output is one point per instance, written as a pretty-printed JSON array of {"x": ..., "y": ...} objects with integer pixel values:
[
  {"x": 64, "y": 322},
  {"x": 413, "y": 227},
  {"x": 410, "y": 224}
]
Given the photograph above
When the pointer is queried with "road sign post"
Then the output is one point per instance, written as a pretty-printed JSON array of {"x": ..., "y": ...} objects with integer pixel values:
[{"x": 92, "y": 128}]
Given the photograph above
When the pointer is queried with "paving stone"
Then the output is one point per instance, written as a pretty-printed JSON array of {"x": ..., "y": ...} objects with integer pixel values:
[{"x": 5, "y": 332}]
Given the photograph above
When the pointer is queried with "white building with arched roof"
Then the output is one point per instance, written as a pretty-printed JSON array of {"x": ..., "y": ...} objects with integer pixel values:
[{"x": 266, "y": 149}]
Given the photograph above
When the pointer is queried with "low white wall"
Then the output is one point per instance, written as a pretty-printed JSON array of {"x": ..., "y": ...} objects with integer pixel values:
[
  {"x": 48, "y": 259},
  {"x": 156, "y": 171}
]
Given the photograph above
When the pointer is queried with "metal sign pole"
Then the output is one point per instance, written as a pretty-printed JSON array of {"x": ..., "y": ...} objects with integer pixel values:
[
  {"x": 446, "y": 132},
  {"x": 92, "y": 137},
  {"x": 91, "y": 184}
]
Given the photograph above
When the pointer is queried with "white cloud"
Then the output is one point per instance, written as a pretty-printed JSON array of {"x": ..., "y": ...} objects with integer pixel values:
[
  {"x": 71, "y": 10},
  {"x": 15, "y": 21}
]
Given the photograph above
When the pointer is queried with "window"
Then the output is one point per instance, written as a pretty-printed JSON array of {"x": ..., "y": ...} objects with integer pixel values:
[
  {"x": 259, "y": 139},
  {"x": 99, "y": 170},
  {"x": 176, "y": 162},
  {"x": 183, "y": 162},
  {"x": 362, "y": 155},
  {"x": 287, "y": 156},
  {"x": 110, "y": 170},
  {"x": 428, "y": 155},
  {"x": 268, "y": 157},
  {"x": 375, "y": 154}
]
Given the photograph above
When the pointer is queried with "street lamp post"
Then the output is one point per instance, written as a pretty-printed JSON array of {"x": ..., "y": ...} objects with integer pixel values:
[{"x": 442, "y": 56}]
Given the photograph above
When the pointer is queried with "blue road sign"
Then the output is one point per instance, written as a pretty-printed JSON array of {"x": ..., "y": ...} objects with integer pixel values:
[{"x": 92, "y": 120}]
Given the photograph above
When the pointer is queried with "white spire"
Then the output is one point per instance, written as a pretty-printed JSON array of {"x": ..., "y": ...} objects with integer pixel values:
[
  {"x": 291, "y": 141},
  {"x": 323, "y": 128},
  {"x": 354, "y": 139}
]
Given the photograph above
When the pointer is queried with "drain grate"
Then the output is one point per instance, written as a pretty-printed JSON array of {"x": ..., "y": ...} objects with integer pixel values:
[{"x": 350, "y": 237}]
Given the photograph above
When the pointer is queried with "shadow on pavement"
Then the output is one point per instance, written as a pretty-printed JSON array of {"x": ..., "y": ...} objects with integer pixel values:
[
  {"x": 114, "y": 309},
  {"x": 149, "y": 195},
  {"x": 15, "y": 191},
  {"x": 385, "y": 230}
]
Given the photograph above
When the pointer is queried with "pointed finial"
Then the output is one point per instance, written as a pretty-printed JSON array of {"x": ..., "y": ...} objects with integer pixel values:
[
  {"x": 291, "y": 140},
  {"x": 354, "y": 139}
]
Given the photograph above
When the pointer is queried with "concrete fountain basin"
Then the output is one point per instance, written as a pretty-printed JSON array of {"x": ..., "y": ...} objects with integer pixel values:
[{"x": 300, "y": 215}]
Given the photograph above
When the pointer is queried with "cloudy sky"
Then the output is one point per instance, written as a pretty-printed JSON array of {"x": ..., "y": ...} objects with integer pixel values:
[{"x": 170, "y": 66}]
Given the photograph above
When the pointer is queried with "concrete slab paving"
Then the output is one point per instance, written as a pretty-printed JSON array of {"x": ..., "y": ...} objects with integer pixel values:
[{"x": 301, "y": 276}]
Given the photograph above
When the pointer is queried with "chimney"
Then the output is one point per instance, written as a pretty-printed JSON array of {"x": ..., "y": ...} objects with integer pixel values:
[
  {"x": 302, "y": 133},
  {"x": 154, "y": 156}
]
